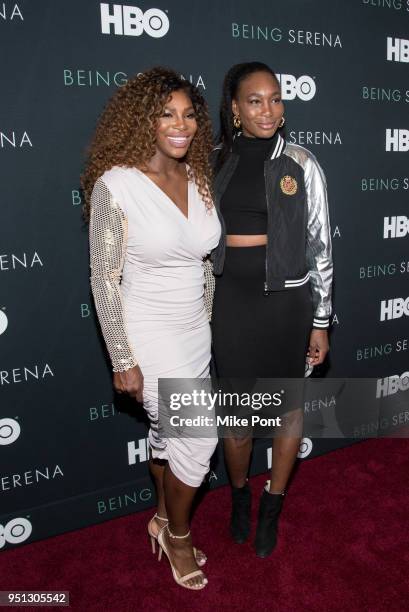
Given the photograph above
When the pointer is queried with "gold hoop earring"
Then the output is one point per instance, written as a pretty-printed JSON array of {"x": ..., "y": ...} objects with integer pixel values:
[
  {"x": 280, "y": 125},
  {"x": 236, "y": 121}
]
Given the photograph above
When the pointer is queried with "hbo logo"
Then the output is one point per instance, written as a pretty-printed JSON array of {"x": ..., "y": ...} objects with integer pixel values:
[
  {"x": 131, "y": 21},
  {"x": 397, "y": 50},
  {"x": 395, "y": 227},
  {"x": 17, "y": 530},
  {"x": 9, "y": 431},
  {"x": 3, "y": 322},
  {"x": 392, "y": 384},
  {"x": 304, "y": 87},
  {"x": 394, "y": 308},
  {"x": 141, "y": 451},
  {"x": 397, "y": 140},
  {"x": 305, "y": 448},
  {"x": 304, "y": 451}
]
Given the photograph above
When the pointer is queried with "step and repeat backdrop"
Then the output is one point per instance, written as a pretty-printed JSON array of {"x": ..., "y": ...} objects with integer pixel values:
[{"x": 71, "y": 455}]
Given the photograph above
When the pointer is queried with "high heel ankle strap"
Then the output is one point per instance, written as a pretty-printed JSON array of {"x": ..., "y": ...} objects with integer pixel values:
[
  {"x": 161, "y": 518},
  {"x": 176, "y": 537}
]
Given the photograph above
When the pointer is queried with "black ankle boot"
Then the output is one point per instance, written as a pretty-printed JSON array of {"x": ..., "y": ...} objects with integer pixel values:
[
  {"x": 268, "y": 514},
  {"x": 240, "y": 513}
]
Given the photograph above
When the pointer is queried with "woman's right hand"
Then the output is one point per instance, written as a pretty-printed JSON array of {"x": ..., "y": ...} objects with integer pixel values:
[{"x": 130, "y": 382}]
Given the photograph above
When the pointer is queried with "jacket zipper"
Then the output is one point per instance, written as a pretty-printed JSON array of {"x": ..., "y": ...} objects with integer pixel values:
[{"x": 265, "y": 189}]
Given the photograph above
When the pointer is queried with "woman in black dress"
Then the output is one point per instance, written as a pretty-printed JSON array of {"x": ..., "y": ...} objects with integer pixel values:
[{"x": 273, "y": 271}]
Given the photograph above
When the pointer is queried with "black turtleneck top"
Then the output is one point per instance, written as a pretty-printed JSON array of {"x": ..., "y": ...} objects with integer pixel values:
[{"x": 244, "y": 203}]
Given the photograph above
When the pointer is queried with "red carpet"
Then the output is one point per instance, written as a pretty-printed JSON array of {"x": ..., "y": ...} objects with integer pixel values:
[{"x": 344, "y": 546}]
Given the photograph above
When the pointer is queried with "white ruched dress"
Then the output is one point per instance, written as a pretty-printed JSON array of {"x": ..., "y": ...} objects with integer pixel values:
[{"x": 147, "y": 280}]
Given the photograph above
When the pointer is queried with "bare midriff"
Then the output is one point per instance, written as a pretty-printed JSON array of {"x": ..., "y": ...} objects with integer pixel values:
[{"x": 238, "y": 240}]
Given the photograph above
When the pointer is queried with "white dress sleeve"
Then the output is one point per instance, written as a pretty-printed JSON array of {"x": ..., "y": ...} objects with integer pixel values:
[{"x": 108, "y": 236}]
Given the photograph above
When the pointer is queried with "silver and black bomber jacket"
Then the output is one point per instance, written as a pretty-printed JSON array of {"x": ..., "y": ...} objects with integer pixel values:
[{"x": 300, "y": 250}]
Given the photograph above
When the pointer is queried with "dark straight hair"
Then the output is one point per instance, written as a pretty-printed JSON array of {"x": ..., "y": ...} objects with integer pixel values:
[{"x": 231, "y": 84}]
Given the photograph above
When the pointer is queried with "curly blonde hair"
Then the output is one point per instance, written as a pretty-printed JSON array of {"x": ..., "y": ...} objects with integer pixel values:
[{"x": 126, "y": 131}]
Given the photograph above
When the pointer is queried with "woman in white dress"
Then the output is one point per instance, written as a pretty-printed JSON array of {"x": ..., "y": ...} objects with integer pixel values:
[{"x": 152, "y": 222}]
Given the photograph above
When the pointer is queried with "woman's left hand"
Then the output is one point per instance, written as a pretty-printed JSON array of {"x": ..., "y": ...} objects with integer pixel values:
[{"x": 319, "y": 346}]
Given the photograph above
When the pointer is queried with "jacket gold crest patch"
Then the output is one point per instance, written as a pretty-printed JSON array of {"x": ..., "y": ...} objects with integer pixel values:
[{"x": 288, "y": 185}]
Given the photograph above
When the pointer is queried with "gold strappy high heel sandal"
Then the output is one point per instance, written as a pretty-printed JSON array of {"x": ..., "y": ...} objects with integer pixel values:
[
  {"x": 180, "y": 580},
  {"x": 199, "y": 554}
]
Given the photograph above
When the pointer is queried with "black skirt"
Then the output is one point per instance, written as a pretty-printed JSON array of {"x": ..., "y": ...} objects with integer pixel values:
[{"x": 258, "y": 335}]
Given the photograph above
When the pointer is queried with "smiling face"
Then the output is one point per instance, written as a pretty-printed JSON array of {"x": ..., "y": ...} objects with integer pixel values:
[
  {"x": 258, "y": 104},
  {"x": 176, "y": 127}
]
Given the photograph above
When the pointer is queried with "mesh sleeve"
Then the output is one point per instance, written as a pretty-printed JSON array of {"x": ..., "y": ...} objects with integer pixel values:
[
  {"x": 108, "y": 236},
  {"x": 209, "y": 286}
]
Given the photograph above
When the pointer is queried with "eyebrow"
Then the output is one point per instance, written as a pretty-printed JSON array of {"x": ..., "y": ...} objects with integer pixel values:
[
  {"x": 188, "y": 108},
  {"x": 255, "y": 93}
]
